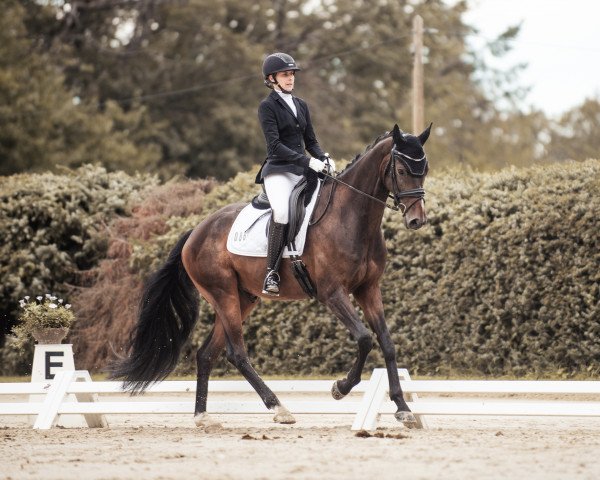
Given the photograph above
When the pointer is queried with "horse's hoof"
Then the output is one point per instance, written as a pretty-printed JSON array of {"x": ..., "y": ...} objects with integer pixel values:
[
  {"x": 406, "y": 418},
  {"x": 335, "y": 391},
  {"x": 205, "y": 421},
  {"x": 282, "y": 415}
]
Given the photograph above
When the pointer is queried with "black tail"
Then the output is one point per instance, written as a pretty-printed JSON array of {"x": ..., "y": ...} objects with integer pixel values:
[{"x": 167, "y": 313}]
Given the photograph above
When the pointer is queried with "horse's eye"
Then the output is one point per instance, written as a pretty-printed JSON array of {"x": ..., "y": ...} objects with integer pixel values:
[{"x": 401, "y": 171}]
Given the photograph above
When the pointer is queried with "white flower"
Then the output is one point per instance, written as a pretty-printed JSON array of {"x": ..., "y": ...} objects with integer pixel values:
[
  {"x": 27, "y": 297},
  {"x": 48, "y": 295},
  {"x": 39, "y": 298},
  {"x": 60, "y": 300},
  {"x": 67, "y": 306},
  {"x": 52, "y": 305}
]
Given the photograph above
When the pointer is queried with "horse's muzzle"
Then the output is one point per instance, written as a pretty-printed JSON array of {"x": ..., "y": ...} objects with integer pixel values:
[
  {"x": 416, "y": 223},
  {"x": 416, "y": 217}
]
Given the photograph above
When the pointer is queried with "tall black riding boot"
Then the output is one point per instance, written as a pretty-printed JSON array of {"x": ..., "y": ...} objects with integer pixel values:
[{"x": 277, "y": 233}]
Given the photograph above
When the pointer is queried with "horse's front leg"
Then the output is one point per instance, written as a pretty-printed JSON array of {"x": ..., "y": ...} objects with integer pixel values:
[
  {"x": 340, "y": 304},
  {"x": 369, "y": 299}
]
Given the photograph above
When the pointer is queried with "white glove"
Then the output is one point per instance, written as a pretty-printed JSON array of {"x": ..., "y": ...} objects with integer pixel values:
[
  {"x": 330, "y": 165},
  {"x": 317, "y": 165}
]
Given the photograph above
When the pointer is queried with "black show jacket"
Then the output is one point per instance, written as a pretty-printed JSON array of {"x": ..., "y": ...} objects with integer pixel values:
[{"x": 287, "y": 136}]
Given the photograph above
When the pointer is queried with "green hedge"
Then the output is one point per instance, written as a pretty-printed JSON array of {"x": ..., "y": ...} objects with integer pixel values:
[
  {"x": 53, "y": 229},
  {"x": 503, "y": 280}
]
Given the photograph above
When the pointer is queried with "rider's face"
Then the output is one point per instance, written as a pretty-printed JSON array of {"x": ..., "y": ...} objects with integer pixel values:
[{"x": 286, "y": 79}]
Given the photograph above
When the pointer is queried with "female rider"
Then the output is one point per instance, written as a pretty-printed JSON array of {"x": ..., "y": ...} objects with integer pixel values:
[{"x": 286, "y": 124}]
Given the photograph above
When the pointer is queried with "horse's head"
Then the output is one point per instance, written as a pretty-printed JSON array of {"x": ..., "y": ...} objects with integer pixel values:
[{"x": 405, "y": 174}]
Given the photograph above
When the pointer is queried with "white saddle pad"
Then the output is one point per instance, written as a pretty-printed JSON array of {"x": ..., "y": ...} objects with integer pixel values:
[{"x": 248, "y": 234}]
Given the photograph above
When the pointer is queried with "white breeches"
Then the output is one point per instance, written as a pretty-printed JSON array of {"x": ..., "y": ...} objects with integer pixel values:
[{"x": 279, "y": 187}]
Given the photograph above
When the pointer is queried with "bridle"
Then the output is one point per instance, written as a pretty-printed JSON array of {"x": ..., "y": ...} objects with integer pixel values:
[{"x": 396, "y": 194}]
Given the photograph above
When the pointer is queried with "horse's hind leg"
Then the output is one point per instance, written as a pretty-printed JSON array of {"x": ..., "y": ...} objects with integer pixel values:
[
  {"x": 282, "y": 414},
  {"x": 238, "y": 356},
  {"x": 342, "y": 307},
  {"x": 206, "y": 357},
  {"x": 231, "y": 310},
  {"x": 369, "y": 298}
]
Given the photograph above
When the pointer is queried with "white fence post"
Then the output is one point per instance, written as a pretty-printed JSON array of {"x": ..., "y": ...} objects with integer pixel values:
[
  {"x": 92, "y": 420},
  {"x": 56, "y": 395},
  {"x": 368, "y": 412}
]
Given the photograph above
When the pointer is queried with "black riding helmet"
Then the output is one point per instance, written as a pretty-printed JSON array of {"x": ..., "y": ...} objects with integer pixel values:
[{"x": 275, "y": 63}]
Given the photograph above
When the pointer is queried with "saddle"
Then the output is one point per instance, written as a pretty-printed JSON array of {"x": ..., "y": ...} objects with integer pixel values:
[{"x": 299, "y": 199}]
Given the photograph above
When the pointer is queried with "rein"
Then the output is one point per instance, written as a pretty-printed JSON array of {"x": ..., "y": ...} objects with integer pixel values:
[
  {"x": 365, "y": 194},
  {"x": 396, "y": 194}
]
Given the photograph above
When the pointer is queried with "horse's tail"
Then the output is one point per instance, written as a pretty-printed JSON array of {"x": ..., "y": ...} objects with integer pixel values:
[{"x": 167, "y": 313}]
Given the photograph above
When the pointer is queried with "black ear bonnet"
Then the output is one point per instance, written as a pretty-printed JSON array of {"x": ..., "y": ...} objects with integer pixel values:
[{"x": 417, "y": 167}]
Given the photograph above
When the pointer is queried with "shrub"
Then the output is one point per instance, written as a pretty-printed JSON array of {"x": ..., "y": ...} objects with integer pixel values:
[
  {"x": 50, "y": 224},
  {"x": 52, "y": 228},
  {"x": 107, "y": 311},
  {"x": 504, "y": 279}
]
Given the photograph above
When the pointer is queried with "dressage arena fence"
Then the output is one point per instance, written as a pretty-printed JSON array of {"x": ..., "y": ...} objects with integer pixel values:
[{"x": 74, "y": 392}]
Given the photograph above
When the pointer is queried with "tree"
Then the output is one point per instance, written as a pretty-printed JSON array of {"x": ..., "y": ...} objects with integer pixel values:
[
  {"x": 575, "y": 135},
  {"x": 189, "y": 73},
  {"x": 43, "y": 124}
]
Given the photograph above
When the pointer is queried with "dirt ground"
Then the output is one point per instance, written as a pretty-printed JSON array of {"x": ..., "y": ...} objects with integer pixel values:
[{"x": 318, "y": 446}]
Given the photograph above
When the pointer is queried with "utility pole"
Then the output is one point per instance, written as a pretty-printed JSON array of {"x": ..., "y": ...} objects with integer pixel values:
[{"x": 418, "y": 110}]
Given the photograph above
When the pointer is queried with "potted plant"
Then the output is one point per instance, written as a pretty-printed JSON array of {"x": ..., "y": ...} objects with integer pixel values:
[{"x": 46, "y": 319}]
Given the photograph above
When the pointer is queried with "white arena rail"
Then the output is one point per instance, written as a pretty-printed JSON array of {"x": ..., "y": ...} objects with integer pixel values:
[{"x": 374, "y": 401}]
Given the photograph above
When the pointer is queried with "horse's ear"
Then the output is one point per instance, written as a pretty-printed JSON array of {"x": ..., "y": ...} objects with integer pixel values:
[
  {"x": 425, "y": 134},
  {"x": 397, "y": 135}
]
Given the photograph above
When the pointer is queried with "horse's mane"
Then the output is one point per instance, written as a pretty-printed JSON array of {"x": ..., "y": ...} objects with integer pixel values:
[{"x": 369, "y": 147}]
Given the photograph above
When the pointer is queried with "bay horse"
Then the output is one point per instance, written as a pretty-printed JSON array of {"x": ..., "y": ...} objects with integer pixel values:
[{"x": 345, "y": 254}]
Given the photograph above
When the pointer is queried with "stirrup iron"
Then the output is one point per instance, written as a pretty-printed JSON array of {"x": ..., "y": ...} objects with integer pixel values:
[{"x": 271, "y": 284}]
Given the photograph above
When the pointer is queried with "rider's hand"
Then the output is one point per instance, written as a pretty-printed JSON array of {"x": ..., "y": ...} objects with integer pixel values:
[
  {"x": 330, "y": 165},
  {"x": 317, "y": 165}
]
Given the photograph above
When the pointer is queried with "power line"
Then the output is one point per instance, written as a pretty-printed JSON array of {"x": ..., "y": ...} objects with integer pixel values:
[
  {"x": 317, "y": 60},
  {"x": 203, "y": 86},
  {"x": 195, "y": 88}
]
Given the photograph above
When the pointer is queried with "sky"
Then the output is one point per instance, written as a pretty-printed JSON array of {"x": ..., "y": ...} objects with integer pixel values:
[{"x": 559, "y": 40}]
